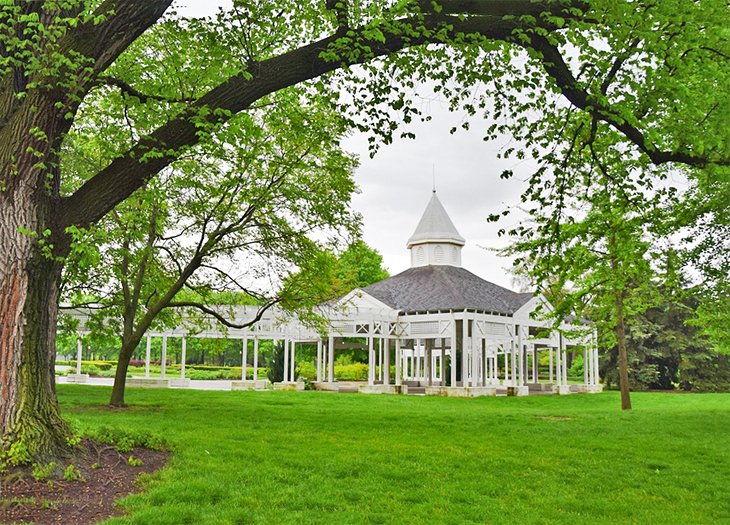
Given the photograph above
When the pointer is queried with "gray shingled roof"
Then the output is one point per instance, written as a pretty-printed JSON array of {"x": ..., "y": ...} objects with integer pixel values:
[
  {"x": 433, "y": 288},
  {"x": 435, "y": 226}
]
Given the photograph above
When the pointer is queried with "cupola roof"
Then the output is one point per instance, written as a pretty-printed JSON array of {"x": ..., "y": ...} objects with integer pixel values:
[{"x": 435, "y": 226}]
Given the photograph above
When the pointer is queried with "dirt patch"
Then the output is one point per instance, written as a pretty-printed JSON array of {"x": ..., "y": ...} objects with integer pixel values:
[{"x": 105, "y": 476}]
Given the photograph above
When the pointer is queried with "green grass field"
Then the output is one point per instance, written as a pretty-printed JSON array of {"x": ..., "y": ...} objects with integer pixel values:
[{"x": 310, "y": 457}]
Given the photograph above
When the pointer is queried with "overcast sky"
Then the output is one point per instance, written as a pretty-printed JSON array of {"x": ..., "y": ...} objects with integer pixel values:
[{"x": 396, "y": 185}]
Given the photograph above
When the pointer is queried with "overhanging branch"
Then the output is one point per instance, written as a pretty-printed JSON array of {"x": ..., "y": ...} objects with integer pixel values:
[
  {"x": 220, "y": 318},
  {"x": 128, "y": 172}
]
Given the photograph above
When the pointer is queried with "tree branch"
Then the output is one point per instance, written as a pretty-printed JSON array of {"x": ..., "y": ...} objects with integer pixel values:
[
  {"x": 151, "y": 154},
  {"x": 131, "y": 91},
  {"x": 219, "y": 317},
  {"x": 556, "y": 67}
]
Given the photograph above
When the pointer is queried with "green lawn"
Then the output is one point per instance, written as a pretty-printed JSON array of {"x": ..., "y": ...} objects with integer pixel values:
[{"x": 310, "y": 457}]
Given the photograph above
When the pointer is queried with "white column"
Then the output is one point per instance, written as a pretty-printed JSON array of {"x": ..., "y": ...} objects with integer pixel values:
[
  {"x": 80, "y": 353},
  {"x": 535, "y": 368},
  {"x": 286, "y": 359},
  {"x": 465, "y": 352},
  {"x": 255, "y": 357},
  {"x": 183, "y": 352},
  {"x": 331, "y": 366},
  {"x": 386, "y": 364},
  {"x": 427, "y": 362},
  {"x": 163, "y": 358},
  {"x": 565, "y": 367},
  {"x": 319, "y": 360},
  {"x": 596, "y": 374},
  {"x": 244, "y": 356},
  {"x": 475, "y": 349},
  {"x": 381, "y": 358},
  {"x": 513, "y": 357},
  {"x": 147, "y": 356},
  {"x": 517, "y": 363},
  {"x": 551, "y": 373},
  {"x": 485, "y": 367},
  {"x": 507, "y": 367},
  {"x": 398, "y": 363},
  {"x": 558, "y": 366},
  {"x": 452, "y": 357},
  {"x": 293, "y": 362},
  {"x": 371, "y": 358},
  {"x": 588, "y": 365}
]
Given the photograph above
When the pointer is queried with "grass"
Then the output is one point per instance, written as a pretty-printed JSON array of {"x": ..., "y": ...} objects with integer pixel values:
[{"x": 310, "y": 457}]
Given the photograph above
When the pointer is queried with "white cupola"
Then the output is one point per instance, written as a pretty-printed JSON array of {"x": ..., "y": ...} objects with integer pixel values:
[{"x": 435, "y": 241}]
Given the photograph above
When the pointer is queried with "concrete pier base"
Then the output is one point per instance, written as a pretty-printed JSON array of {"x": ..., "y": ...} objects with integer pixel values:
[
  {"x": 518, "y": 390},
  {"x": 326, "y": 386},
  {"x": 77, "y": 378},
  {"x": 590, "y": 389},
  {"x": 148, "y": 382},
  {"x": 289, "y": 385},
  {"x": 180, "y": 382},
  {"x": 540, "y": 387},
  {"x": 461, "y": 391},
  {"x": 249, "y": 384},
  {"x": 562, "y": 390},
  {"x": 383, "y": 389}
]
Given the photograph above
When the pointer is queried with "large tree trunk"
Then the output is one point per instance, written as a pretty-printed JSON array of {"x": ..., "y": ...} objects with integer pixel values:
[{"x": 29, "y": 283}]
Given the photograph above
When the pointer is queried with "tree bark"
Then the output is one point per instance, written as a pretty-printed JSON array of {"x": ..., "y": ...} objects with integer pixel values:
[
  {"x": 120, "y": 377},
  {"x": 29, "y": 285}
]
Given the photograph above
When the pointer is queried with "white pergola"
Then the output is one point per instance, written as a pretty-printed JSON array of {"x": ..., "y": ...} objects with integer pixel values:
[{"x": 274, "y": 325}]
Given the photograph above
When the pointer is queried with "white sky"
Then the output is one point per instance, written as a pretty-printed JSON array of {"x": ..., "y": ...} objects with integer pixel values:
[{"x": 396, "y": 185}]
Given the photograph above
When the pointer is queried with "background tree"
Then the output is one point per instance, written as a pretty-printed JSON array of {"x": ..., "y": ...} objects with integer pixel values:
[
  {"x": 225, "y": 218},
  {"x": 53, "y": 55},
  {"x": 359, "y": 266},
  {"x": 668, "y": 353}
]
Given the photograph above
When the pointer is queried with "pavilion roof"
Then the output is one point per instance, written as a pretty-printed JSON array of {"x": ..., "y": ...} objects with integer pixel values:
[
  {"x": 435, "y": 226},
  {"x": 438, "y": 288}
]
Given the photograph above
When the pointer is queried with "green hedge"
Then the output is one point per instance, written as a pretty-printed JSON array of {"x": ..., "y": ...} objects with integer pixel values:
[{"x": 101, "y": 365}]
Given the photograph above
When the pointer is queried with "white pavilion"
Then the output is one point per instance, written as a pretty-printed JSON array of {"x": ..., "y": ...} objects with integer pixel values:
[
  {"x": 435, "y": 328},
  {"x": 450, "y": 332}
]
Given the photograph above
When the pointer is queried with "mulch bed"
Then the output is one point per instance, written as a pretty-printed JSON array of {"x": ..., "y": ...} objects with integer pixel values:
[{"x": 106, "y": 476}]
